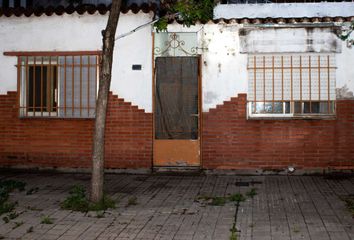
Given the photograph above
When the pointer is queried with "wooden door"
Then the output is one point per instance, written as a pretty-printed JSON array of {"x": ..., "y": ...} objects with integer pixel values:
[{"x": 176, "y": 112}]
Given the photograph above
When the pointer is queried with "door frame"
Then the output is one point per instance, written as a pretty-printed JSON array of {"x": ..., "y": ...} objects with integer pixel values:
[{"x": 200, "y": 101}]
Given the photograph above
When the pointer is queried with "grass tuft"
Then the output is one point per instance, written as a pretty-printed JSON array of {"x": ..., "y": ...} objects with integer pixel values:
[
  {"x": 132, "y": 201},
  {"x": 218, "y": 201},
  {"x": 252, "y": 193},
  {"x": 237, "y": 197},
  {"x": 46, "y": 220},
  {"x": 77, "y": 201},
  {"x": 6, "y": 187}
]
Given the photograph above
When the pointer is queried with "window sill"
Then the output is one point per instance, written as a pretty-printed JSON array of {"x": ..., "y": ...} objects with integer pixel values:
[
  {"x": 296, "y": 117},
  {"x": 55, "y": 118}
]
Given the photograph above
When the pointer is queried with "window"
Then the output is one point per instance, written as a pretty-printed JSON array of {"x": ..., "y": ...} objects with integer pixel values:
[
  {"x": 58, "y": 86},
  {"x": 295, "y": 85}
]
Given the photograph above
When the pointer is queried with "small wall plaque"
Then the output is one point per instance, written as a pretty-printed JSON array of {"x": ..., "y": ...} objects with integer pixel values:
[{"x": 136, "y": 67}]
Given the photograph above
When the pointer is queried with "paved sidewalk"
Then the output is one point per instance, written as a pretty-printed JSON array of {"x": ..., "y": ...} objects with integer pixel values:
[{"x": 177, "y": 207}]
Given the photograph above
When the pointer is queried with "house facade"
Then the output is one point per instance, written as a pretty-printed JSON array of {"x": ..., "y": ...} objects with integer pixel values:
[{"x": 263, "y": 87}]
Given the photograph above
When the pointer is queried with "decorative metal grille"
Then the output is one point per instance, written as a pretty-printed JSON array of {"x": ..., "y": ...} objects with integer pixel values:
[
  {"x": 58, "y": 86},
  {"x": 175, "y": 44},
  {"x": 291, "y": 84}
]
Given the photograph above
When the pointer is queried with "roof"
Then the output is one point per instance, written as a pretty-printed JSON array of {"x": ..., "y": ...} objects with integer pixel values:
[
  {"x": 285, "y": 10},
  {"x": 59, "y": 7}
]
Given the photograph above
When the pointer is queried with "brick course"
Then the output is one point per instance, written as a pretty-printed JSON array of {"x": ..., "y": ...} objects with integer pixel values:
[
  {"x": 67, "y": 143},
  {"x": 230, "y": 141}
]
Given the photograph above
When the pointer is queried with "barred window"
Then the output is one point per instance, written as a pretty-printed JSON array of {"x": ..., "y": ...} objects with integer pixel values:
[
  {"x": 58, "y": 86},
  {"x": 291, "y": 85}
]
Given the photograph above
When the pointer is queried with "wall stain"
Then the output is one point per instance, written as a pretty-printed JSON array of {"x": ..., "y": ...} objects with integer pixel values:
[{"x": 344, "y": 93}]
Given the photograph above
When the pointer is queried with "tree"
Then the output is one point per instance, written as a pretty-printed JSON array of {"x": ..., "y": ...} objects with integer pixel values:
[
  {"x": 108, "y": 36},
  {"x": 188, "y": 12}
]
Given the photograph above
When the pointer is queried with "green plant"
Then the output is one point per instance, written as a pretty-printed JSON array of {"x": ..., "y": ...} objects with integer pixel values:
[
  {"x": 252, "y": 193},
  {"x": 100, "y": 214},
  {"x": 237, "y": 197},
  {"x": 6, "y": 219},
  {"x": 6, "y": 187},
  {"x": 17, "y": 224},
  {"x": 186, "y": 11},
  {"x": 46, "y": 220},
  {"x": 102, "y": 205},
  {"x": 34, "y": 208},
  {"x": 77, "y": 201},
  {"x": 233, "y": 231},
  {"x": 13, "y": 215},
  {"x": 218, "y": 201},
  {"x": 132, "y": 201},
  {"x": 349, "y": 203}
]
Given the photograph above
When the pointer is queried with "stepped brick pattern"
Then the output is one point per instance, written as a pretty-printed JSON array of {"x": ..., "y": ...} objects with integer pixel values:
[
  {"x": 67, "y": 143},
  {"x": 230, "y": 141}
]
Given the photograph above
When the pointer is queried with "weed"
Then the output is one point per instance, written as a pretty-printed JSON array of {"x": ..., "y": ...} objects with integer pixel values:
[
  {"x": 17, "y": 224},
  {"x": 237, "y": 197},
  {"x": 30, "y": 229},
  {"x": 203, "y": 198},
  {"x": 349, "y": 202},
  {"x": 233, "y": 231},
  {"x": 32, "y": 190},
  {"x": 218, "y": 201},
  {"x": 296, "y": 230},
  {"x": 34, "y": 208},
  {"x": 6, "y": 219},
  {"x": 46, "y": 220},
  {"x": 100, "y": 214},
  {"x": 11, "y": 185},
  {"x": 13, "y": 215},
  {"x": 132, "y": 201},
  {"x": 251, "y": 193},
  {"x": 77, "y": 201},
  {"x": 102, "y": 205},
  {"x": 6, "y": 187}
]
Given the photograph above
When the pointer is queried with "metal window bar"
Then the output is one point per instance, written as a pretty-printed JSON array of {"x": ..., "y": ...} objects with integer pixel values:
[
  {"x": 307, "y": 102},
  {"x": 43, "y": 86},
  {"x": 264, "y": 89}
]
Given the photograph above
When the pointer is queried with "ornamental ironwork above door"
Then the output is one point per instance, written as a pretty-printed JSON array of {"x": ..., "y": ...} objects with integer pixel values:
[{"x": 175, "y": 44}]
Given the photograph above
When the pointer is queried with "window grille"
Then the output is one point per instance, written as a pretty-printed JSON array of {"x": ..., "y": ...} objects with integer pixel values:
[
  {"x": 290, "y": 85},
  {"x": 58, "y": 86}
]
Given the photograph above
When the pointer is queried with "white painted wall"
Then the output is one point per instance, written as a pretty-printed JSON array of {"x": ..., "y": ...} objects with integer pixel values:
[
  {"x": 282, "y": 39},
  {"x": 80, "y": 33},
  {"x": 224, "y": 68},
  {"x": 284, "y": 10},
  {"x": 345, "y": 69}
]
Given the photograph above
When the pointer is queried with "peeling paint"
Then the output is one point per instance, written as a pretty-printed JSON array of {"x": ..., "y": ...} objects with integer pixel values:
[{"x": 344, "y": 93}]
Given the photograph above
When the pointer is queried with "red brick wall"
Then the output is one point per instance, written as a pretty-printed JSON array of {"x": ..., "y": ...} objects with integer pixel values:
[
  {"x": 230, "y": 141},
  {"x": 68, "y": 142}
]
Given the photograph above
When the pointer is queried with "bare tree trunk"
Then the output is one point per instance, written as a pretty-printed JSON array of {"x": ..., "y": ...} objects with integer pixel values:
[{"x": 101, "y": 104}]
